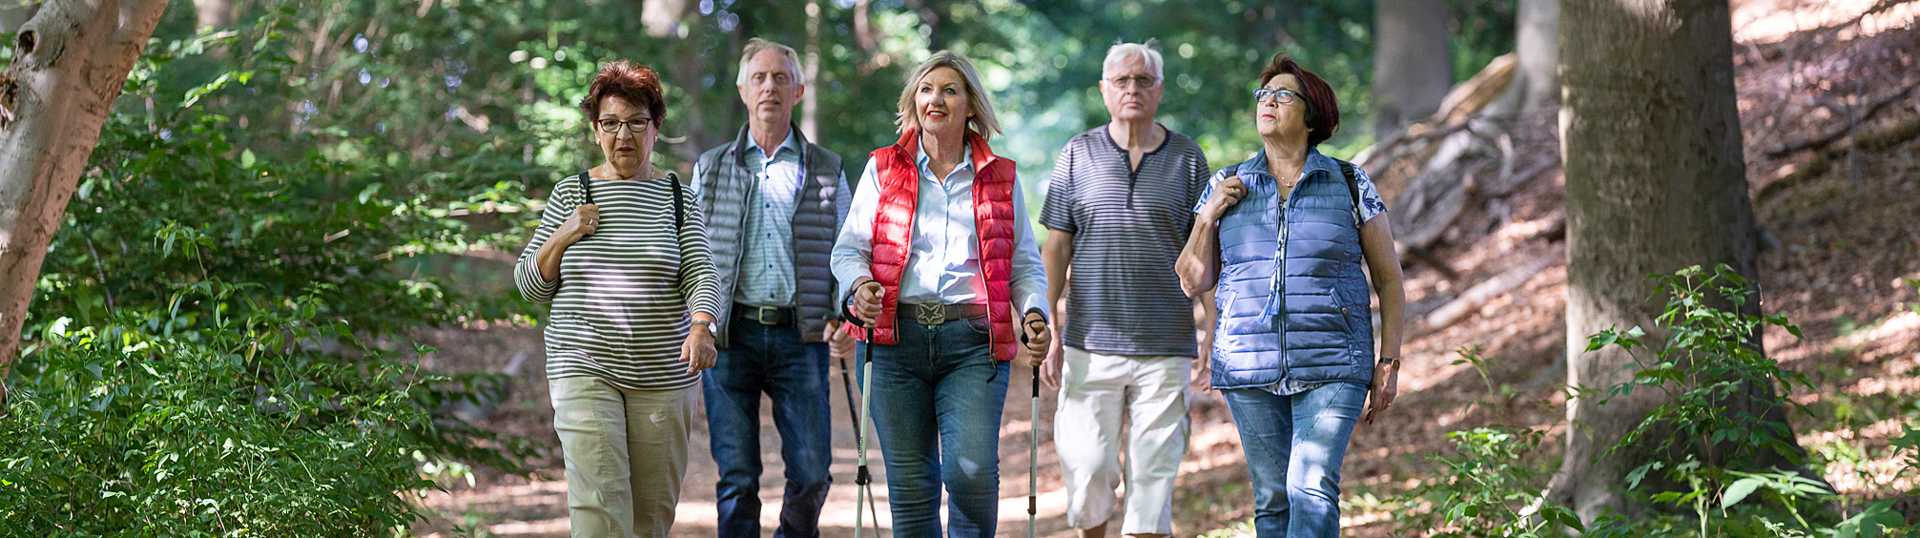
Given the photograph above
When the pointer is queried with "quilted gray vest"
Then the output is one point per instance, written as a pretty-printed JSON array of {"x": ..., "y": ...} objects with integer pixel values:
[{"x": 725, "y": 184}]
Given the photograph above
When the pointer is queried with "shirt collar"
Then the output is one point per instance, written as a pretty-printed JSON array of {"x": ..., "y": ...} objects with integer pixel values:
[
  {"x": 791, "y": 144},
  {"x": 1255, "y": 167},
  {"x": 921, "y": 159}
]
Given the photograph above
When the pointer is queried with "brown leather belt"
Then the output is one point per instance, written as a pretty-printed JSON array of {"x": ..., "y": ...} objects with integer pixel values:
[
  {"x": 764, "y": 315},
  {"x": 935, "y": 314}
]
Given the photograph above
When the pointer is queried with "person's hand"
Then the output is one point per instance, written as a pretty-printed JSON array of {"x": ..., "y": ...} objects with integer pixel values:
[
  {"x": 1227, "y": 193},
  {"x": 1039, "y": 338},
  {"x": 698, "y": 351},
  {"x": 839, "y": 341},
  {"x": 578, "y": 226},
  {"x": 1202, "y": 373},
  {"x": 1050, "y": 368},
  {"x": 1386, "y": 382},
  {"x": 866, "y": 300}
]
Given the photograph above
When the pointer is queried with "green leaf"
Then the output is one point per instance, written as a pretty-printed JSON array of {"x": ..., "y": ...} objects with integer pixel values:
[
  {"x": 246, "y": 159},
  {"x": 1739, "y": 491}
]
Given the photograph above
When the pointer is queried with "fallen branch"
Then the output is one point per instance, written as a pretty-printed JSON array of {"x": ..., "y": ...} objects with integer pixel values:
[
  {"x": 1824, "y": 139},
  {"x": 1482, "y": 293},
  {"x": 1896, "y": 134}
]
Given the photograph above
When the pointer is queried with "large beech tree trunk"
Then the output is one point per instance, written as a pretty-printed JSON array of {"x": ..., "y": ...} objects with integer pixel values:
[
  {"x": 70, "y": 61},
  {"x": 1412, "y": 70},
  {"x": 1655, "y": 183}
]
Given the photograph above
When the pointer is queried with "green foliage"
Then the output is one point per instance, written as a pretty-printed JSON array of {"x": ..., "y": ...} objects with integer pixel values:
[
  {"x": 115, "y": 431},
  {"x": 1711, "y": 468},
  {"x": 215, "y": 346},
  {"x": 1487, "y": 487},
  {"x": 1710, "y": 367}
]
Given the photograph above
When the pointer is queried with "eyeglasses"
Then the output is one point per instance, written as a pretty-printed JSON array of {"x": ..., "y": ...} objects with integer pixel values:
[
  {"x": 1134, "y": 81},
  {"x": 1283, "y": 95},
  {"x": 613, "y": 127}
]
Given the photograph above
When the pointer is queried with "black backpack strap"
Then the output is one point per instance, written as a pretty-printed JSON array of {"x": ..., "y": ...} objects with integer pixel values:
[
  {"x": 679, "y": 207},
  {"x": 586, "y": 188},
  {"x": 1353, "y": 189}
]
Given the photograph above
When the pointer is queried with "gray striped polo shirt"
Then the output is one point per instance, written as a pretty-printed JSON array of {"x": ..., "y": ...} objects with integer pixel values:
[{"x": 1128, "y": 226}]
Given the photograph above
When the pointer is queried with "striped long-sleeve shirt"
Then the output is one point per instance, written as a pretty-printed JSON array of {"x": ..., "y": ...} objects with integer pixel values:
[{"x": 620, "y": 307}]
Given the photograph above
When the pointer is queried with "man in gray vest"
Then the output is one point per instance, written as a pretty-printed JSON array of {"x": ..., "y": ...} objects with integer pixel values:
[{"x": 774, "y": 203}]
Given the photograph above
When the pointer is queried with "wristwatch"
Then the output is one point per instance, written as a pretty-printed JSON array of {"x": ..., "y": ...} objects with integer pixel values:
[
  {"x": 713, "y": 327},
  {"x": 1390, "y": 360}
]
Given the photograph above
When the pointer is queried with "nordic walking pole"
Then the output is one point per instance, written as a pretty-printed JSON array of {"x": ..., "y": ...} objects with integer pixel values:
[
  {"x": 864, "y": 497},
  {"x": 1033, "y": 447},
  {"x": 853, "y": 408},
  {"x": 1033, "y": 455}
]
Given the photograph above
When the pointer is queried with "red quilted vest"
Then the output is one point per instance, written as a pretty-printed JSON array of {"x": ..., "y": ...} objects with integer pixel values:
[{"x": 993, "y": 185}]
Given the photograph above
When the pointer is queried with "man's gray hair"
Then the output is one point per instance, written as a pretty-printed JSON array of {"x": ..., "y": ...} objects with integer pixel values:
[
  {"x": 756, "y": 46},
  {"x": 1119, "y": 52}
]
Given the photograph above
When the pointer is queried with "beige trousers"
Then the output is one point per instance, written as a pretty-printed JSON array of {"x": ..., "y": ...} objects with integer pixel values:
[{"x": 626, "y": 451}]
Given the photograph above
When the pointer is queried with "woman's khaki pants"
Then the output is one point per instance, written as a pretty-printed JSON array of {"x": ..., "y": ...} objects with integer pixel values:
[{"x": 626, "y": 451}]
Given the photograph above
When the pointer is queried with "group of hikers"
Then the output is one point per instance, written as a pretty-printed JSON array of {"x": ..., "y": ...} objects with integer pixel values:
[{"x": 1256, "y": 280}]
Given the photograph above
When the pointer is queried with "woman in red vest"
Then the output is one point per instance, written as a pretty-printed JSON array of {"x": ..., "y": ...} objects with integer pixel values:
[{"x": 935, "y": 258}]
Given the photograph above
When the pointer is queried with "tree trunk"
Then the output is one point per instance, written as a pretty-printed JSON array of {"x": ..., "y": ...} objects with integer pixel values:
[
  {"x": 210, "y": 14},
  {"x": 1411, "y": 68},
  {"x": 1536, "y": 43},
  {"x": 70, "y": 61},
  {"x": 810, "y": 103},
  {"x": 1655, "y": 183},
  {"x": 662, "y": 18}
]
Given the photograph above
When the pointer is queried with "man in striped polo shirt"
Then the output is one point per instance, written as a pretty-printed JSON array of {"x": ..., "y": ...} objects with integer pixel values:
[
  {"x": 1119, "y": 209},
  {"x": 774, "y": 203}
]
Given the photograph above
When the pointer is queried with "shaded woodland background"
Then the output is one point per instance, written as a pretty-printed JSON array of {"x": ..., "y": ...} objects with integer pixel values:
[{"x": 275, "y": 296}]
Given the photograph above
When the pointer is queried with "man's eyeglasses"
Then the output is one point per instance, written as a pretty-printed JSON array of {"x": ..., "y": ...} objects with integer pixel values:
[
  {"x": 1283, "y": 95},
  {"x": 1134, "y": 81},
  {"x": 613, "y": 127}
]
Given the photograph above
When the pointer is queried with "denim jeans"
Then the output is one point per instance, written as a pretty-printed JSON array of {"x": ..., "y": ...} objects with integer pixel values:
[
  {"x": 937, "y": 397},
  {"x": 1294, "y": 447},
  {"x": 771, "y": 360}
]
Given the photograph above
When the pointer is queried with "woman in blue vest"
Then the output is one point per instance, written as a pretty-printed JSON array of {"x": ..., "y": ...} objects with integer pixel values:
[{"x": 1281, "y": 239}]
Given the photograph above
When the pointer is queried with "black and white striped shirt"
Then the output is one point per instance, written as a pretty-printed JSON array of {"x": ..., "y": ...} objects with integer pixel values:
[
  {"x": 621, "y": 305},
  {"x": 1128, "y": 226}
]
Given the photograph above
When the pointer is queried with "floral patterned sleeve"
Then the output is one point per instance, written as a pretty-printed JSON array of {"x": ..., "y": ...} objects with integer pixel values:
[{"x": 1371, "y": 205}]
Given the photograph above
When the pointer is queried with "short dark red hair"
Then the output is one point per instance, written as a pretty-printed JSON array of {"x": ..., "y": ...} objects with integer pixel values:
[
  {"x": 1323, "y": 110},
  {"x": 634, "y": 82}
]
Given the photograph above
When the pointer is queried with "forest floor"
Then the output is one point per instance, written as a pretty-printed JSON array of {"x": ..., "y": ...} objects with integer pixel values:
[{"x": 1842, "y": 239}]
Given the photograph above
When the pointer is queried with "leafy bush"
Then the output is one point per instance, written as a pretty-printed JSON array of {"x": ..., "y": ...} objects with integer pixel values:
[
  {"x": 217, "y": 345},
  {"x": 1710, "y": 472}
]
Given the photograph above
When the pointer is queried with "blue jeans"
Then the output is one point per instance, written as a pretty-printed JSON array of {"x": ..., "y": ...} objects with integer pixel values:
[
  {"x": 771, "y": 360},
  {"x": 1294, "y": 447},
  {"x": 937, "y": 397}
]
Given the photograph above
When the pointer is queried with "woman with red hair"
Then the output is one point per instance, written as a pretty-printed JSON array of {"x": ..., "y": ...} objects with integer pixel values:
[
  {"x": 1282, "y": 239},
  {"x": 625, "y": 265}
]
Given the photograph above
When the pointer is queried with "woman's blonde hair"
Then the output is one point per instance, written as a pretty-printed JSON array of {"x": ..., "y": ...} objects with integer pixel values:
[{"x": 982, "y": 122}]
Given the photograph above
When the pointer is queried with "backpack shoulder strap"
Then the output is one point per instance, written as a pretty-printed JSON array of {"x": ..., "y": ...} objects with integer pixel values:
[
  {"x": 679, "y": 207},
  {"x": 1353, "y": 189},
  {"x": 586, "y": 187}
]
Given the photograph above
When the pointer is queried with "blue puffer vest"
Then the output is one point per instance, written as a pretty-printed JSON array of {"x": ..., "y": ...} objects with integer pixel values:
[{"x": 1324, "y": 330}]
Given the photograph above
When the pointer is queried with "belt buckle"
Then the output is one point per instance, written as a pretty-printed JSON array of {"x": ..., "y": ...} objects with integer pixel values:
[
  {"x": 930, "y": 314},
  {"x": 763, "y": 313}
]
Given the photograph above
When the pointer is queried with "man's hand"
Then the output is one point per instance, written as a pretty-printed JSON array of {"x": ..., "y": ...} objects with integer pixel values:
[
  {"x": 839, "y": 339},
  {"x": 1050, "y": 368}
]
